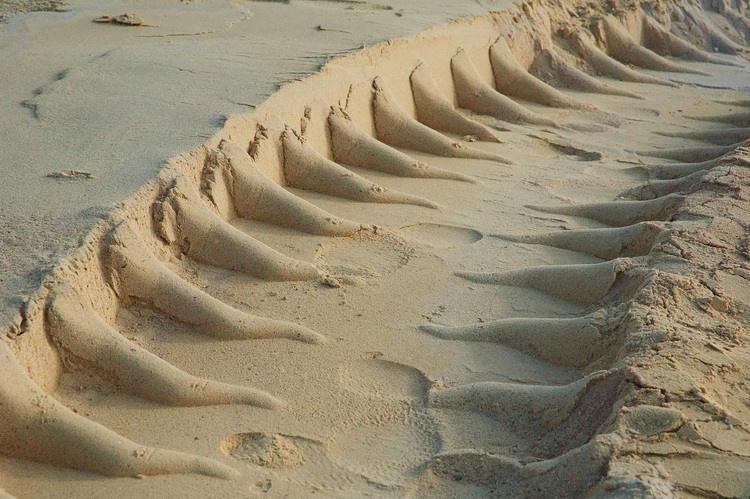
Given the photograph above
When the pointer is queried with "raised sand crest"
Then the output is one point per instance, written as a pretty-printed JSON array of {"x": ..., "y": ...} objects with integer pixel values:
[{"x": 310, "y": 301}]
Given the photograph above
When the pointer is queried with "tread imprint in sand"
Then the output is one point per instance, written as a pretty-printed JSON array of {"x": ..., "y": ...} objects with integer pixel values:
[{"x": 653, "y": 273}]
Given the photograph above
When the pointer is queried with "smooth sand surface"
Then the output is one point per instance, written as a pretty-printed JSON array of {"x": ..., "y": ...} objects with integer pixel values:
[{"x": 388, "y": 279}]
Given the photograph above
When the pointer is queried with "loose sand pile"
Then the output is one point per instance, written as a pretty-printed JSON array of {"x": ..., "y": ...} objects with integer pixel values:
[{"x": 506, "y": 257}]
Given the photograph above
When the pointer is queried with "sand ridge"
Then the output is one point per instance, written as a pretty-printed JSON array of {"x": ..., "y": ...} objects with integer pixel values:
[{"x": 591, "y": 344}]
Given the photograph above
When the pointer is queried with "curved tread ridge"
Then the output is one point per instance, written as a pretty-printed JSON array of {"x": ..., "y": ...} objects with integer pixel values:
[
  {"x": 658, "y": 188},
  {"x": 571, "y": 342},
  {"x": 678, "y": 170},
  {"x": 550, "y": 405},
  {"x": 619, "y": 213},
  {"x": 257, "y": 197},
  {"x": 607, "y": 244},
  {"x": 138, "y": 274},
  {"x": 622, "y": 47},
  {"x": 718, "y": 40},
  {"x": 475, "y": 94},
  {"x": 661, "y": 41},
  {"x": 691, "y": 154},
  {"x": 396, "y": 128},
  {"x": 572, "y": 474},
  {"x": 585, "y": 284},
  {"x": 606, "y": 65},
  {"x": 569, "y": 76},
  {"x": 38, "y": 428},
  {"x": 722, "y": 137},
  {"x": 741, "y": 119},
  {"x": 82, "y": 333},
  {"x": 184, "y": 221},
  {"x": 512, "y": 79},
  {"x": 437, "y": 112},
  {"x": 305, "y": 169},
  {"x": 352, "y": 146}
]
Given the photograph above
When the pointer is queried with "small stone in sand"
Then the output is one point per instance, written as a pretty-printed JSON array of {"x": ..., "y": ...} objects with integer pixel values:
[
  {"x": 71, "y": 174},
  {"x": 124, "y": 19},
  {"x": 332, "y": 282}
]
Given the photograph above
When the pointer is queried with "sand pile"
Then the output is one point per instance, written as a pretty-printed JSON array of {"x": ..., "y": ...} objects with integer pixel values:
[{"x": 504, "y": 257}]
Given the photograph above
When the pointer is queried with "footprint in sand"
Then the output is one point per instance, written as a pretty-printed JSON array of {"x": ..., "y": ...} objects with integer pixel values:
[
  {"x": 383, "y": 378},
  {"x": 390, "y": 454},
  {"x": 364, "y": 255},
  {"x": 391, "y": 451}
]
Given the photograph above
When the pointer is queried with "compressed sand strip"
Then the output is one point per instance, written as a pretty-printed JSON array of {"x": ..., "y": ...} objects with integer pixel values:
[{"x": 614, "y": 412}]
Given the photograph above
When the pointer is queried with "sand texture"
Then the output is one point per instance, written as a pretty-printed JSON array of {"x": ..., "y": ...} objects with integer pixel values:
[{"x": 504, "y": 257}]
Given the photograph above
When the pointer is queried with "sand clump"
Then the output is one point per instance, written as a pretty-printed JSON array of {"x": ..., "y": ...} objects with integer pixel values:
[
  {"x": 127, "y": 19},
  {"x": 319, "y": 267},
  {"x": 276, "y": 451}
]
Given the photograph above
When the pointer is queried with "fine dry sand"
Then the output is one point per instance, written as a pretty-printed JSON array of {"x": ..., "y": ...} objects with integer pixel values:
[{"x": 503, "y": 257}]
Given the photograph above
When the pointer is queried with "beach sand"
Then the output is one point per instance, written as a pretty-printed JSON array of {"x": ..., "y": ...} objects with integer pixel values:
[{"x": 474, "y": 254}]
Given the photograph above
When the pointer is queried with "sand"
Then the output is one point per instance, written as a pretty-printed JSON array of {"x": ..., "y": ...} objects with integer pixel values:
[
  {"x": 107, "y": 99},
  {"x": 505, "y": 256}
]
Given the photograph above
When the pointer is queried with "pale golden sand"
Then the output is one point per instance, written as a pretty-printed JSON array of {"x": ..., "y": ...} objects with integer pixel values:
[{"x": 506, "y": 257}]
